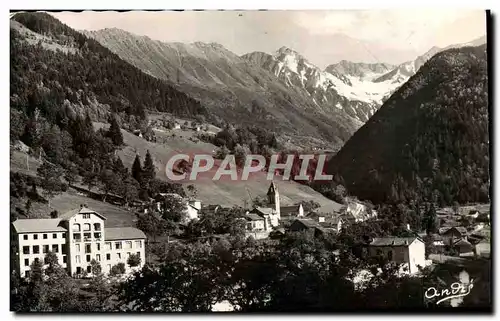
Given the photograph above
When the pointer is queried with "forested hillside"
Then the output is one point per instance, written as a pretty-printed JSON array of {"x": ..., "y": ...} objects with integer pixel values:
[
  {"x": 429, "y": 140},
  {"x": 54, "y": 66}
]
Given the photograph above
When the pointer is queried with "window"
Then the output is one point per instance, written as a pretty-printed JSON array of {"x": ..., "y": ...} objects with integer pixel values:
[
  {"x": 55, "y": 248},
  {"x": 98, "y": 257},
  {"x": 118, "y": 245},
  {"x": 37, "y": 260},
  {"x": 97, "y": 236},
  {"x": 88, "y": 248},
  {"x": 97, "y": 226},
  {"x": 26, "y": 262},
  {"x": 119, "y": 256},
  {"x": 77, "y": 247},
  {"x": 64, "y": 235},
  {"x": 35, "y": 236},
  {"x": 88, "y": 258},
  {"x": 98, "y": 246},
  {"x": 77, "y": 259},
  {"x": 65, "y": 259},
  {"x": 76, "y": 227},
  {"x": 138, "y": 244},
  {"x": 108, "y": 257},
  {"x": 25, "y": 237},
  {"x": 78, "y": 270},
  {"x": 86, "y": 216},
  {"x": 54, "y": 235},
  {"x": 63, "y": 249},
  {"x": 46, "y": 249},
  {"x": 87, "y": 236},
  {"x": 89, "y": 269},
  {"x": 108, "y": 245},
  {"x": 128, "y": 244},
  {"x": 36, "y": 249},
  {"x": 45, "y": 236},
  {"x": 26, "y": 250},
  {"x": 77, "y": 237},
  {"x": 86, "y": 227}
]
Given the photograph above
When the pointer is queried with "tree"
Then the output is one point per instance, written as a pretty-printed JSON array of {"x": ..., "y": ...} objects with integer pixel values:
[
  {"x": 130, "y": 189},
  {"x": 192, "y": 190},
  {"x": 173, "y": 209},
  {"x": 71, "y": 174},
  {"x": 134, "y": 260},
  {"x": 110, "y": 182},
  {"x": 151, "y": 224},
  {"x": 137, "y": 169},
  {"x": 149, "y": 170},
  {"x": 89, "y": 179},
  {"x": 54, "y": 214},
  {"x": 221, "y": 152},
  {"x": 118, "y": 269},
  {"x": 50, "y": 179},
  {"x": 95, "y": 267},
  {"x": 114, "y": 132},
  {"x": 240, "y": 155},
  {"x": 28, "y": 207}
]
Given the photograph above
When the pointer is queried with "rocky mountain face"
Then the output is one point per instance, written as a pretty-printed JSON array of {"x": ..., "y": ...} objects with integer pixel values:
[
  {"x": 430, "y": 139},
  {"x": 232, "y": 88},
  {"x": 345, "y": 86}
]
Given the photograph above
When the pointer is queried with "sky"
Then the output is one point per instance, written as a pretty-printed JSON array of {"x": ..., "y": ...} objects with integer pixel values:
[{"x": 323, "y": 37}]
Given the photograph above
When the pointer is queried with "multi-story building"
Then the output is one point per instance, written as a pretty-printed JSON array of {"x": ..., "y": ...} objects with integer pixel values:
[{"x": 77, "y": 238}]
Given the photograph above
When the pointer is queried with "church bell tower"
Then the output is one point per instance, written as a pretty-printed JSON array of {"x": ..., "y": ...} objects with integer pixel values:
[{"x": 273, "y": 197}]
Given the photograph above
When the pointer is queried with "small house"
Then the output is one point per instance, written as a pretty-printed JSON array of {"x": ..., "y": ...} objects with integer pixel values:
[
  {"x": 404, "y": 250},
  {"x": 294, "y": 211},
  {"x": 256, "y": 223},
  {"x": 464, "y": 248},
  {"x": 308, "y": 225}
]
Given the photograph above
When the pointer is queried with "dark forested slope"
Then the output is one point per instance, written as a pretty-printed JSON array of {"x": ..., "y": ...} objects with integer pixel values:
[
  {"x": 51, "y": 63},
  {"x": 429, "y": 140}
]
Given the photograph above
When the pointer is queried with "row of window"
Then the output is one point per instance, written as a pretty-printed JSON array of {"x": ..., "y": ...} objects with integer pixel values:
[
  {"x": 86, "y": 236},
  {"x": 88, "y": 257},
  {"x": 86, "y": 227},
  {"x": 45, "y": 249},
  {"x": 27, "y": 261},
  {"x": 45, "y": 236}
]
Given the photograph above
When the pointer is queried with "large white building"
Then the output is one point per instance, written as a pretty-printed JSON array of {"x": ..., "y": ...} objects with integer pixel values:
[{"x": 77, "y": 237}]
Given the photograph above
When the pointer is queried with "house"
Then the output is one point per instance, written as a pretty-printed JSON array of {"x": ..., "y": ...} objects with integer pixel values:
[
  {"x": 192, "y": 206},
  {"x": 409, "y": 251},
  {"x": 294, "y": 211},
  {"x": 77, "y": 237},
  {"x": 473, "y": 213},
  {"x": 318, "y": 217},
  {"x": 308, "y": 225},
  {"x": 450, "y": 234},
  {"x": 355, "y": 212},
  {"x": 138, "y": 132},
  {"x": 256, "y": 223},
  {"x": 464, "y": 248},
  {"x": 177, "y": 125}
]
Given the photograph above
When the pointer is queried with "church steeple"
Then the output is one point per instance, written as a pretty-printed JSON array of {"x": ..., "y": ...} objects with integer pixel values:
[{"x": 273, "y": 197}]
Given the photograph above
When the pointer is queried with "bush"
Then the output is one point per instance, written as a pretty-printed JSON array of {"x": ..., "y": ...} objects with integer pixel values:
[
  {"x": 134, "y": 260},
  {"x": 118, "y": 269}
]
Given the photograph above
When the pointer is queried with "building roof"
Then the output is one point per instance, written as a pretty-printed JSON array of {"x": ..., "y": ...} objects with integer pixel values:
[
  {"x": 393, "y": 241},
  {"x": 38, "y": 225},
  {"x": 473, "y": 211},
  {"x": 254, "y": 217},
  {"x": 289, "y": 210},
  {"x": 308, "y": 223},
  {"x": 81, "y": 210},
  {"x": 123, "y": 233},
  {"x": 463, "y": 242},
  {"x": 264, "y": 210},
  {"x": 462, "y": 230}
]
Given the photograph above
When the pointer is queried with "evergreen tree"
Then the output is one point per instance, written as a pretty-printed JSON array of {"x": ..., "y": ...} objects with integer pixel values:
[
  {"x": 114, "y": 132},
  {"x": 137, "y": 169},
  {"x": 148, "y": 172}
]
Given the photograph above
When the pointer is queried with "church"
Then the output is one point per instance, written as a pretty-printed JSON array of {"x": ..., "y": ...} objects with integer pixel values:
[{"x": 271, "y": 216}]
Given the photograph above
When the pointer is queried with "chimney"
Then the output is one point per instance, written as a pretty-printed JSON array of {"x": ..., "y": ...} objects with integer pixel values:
[{"x": 406, "y": 242}]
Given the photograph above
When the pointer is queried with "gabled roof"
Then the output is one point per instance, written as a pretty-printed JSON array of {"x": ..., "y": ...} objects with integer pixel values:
[
  {"x": 444, "y": 230},
  {"x": 254, "y": 217},
  {"x": 289, "y": 210},
  {"x": 123, "y": 233},
  {"x": 263, "y": 210},
  {"x": 393, "y": 241},
  {"x": 308, "y": 223},
  {"x": 82, "y": 210},
  {"x": 38, "y": 225},
  {"x": 462, "y": 242}
]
